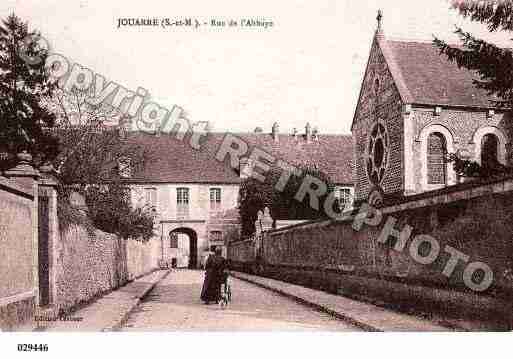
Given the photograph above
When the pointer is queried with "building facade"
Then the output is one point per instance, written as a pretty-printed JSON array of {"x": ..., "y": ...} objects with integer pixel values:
[
  {"x": 414, "y": 109},
  {"x": 195, "y": 194}
]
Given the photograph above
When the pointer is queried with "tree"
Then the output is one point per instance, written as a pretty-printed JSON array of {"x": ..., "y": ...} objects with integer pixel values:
[
  {"x": 91, "y": 148},
  {"x": 23, "y": 86},
  {"x": 92, "y": 154},
  {"x": 255, "y": 195},
  {"x": 471, "y": 169},
  {"x": 493, "y": 64},
  {"x": 110, "y": 210}
]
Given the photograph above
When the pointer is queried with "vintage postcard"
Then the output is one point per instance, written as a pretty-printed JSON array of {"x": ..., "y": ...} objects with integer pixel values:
[{"x": 254, "y": 167}]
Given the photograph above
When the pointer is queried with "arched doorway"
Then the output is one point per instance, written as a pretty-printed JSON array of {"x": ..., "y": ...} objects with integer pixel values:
[{"x": 193, "y": 244}]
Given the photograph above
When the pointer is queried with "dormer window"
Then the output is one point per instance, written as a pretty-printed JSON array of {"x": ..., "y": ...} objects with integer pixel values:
[{"x": 245, "y": 167}]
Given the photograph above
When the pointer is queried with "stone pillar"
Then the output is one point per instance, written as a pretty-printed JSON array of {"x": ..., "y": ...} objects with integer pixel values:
[
  {"x": 258, "y": 223},
  {"x": 267, "y": 221},
  {"x": 48, "y": 188},
  {"x": 26, "y": 175}
]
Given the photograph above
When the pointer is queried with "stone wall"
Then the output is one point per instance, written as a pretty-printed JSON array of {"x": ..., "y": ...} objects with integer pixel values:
[
  {"x": 88, "y": 266},
  {"x": 18, "y": 280},
  {"x": 45, "y": 268},
  {"x": 379, "y": 101},
  {"x": 461, "y": 129},
  {"x": 242, "y": 251},
  {"x": 476, "y": 220}
]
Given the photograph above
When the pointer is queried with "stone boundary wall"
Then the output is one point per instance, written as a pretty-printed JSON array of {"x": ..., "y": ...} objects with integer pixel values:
[
  {"x": 242, "y": 252},
  {"x": 89, "y": 266},
  {"x": 18, "y": 247},
  {"x": 330, "y": 255}
]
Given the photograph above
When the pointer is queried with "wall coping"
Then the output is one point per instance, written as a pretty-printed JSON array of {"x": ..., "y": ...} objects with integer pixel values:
[
  {"x": 248, "y": 240},
  {"x": 17, "y": 297},
  {"x": 10, "y": 185},
  {"x": 464, "y": 191}
]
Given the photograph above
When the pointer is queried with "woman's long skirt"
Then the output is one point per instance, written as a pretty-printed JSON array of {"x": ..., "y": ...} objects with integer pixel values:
[{"x": 211, "y": 290}]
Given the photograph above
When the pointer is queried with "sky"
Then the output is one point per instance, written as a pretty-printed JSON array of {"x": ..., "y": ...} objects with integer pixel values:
[{"x": 307, "y": 67}]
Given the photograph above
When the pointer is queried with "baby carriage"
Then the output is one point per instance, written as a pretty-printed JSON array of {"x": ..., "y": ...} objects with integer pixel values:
[{"x": 226, "y": 291}]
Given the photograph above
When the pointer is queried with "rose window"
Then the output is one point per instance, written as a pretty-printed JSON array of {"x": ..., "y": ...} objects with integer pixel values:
[{"x": 377, "y": 153}]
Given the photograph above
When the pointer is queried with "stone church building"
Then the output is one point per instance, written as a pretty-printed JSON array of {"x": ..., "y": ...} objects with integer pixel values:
[{"x": 414, "y": 108}]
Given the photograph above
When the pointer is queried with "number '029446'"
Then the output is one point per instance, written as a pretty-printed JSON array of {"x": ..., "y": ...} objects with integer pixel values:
[{"x": 32, "y": 347}]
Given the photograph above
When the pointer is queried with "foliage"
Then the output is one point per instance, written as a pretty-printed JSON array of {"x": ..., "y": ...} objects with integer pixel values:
[
  {"x": 69, "y": 214},
  {"x": 232, "y": 234},
  {"x": 79, "y": 138},
  {"x": 111, "y": 211},
  {"x": 23, "y": 86},
  {"x": 91, "y": 148},
  {"x": 91, "y": 152},
  {"x": 493, "y": 64},
  {"x": 255, "y": 195},
  {"x": 472, "y": 169}
]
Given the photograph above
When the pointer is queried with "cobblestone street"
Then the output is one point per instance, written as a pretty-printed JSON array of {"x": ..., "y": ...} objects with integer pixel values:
[{"x": 174, "y": 304}]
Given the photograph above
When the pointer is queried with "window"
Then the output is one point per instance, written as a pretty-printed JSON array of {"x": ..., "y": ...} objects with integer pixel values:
[
  {"x": 173, "y": 240},
  {"x": 489, "y": 150},
  {"x": 216, "y": 236},
  {"x": 376, "y": 87},
  {"x": 436, "y": 163},
  {"x": 151, "y": 197},
  {"x": 377, "y": 153},
  {"x": 182, "y": 202},
  {"x": 215, "y": 199},
  {"x": 343, "y": 194}
]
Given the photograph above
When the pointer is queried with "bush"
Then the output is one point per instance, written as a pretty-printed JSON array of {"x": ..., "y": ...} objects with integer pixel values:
[
  {"x": 111, "y": 211},
  {"x": 255, "y": 195}
]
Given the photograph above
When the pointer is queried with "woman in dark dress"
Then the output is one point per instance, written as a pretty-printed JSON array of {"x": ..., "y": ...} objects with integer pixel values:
[{"x": 214, "y": 277}]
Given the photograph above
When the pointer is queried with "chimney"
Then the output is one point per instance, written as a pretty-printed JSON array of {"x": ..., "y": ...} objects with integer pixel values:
[
  {"x": 308, "y": 132},
  {"x": 315, "y": 133},
  {"x": 275, "y": 131}
]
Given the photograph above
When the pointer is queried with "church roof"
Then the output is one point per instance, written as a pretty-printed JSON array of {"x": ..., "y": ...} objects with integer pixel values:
[
  {"x": 424, "y": 76},
  {"x": 175, "y": 161}
]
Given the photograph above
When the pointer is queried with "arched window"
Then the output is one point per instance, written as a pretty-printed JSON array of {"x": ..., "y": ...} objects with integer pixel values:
[
  {"x": 489, "y": 150},
  {"x": 376, "y": 86},
  {"x": 436, "y": 154}
]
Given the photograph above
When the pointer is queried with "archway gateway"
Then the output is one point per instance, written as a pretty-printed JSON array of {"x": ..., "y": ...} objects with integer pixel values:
[{"x": 193, "y": 244}]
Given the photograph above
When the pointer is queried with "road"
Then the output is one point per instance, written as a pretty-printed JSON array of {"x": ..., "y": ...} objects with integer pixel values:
[{"x": 174, "y": 305}]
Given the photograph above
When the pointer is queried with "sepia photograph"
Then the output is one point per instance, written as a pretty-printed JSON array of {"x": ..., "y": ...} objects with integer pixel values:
[{"x": 196, "y": 178}]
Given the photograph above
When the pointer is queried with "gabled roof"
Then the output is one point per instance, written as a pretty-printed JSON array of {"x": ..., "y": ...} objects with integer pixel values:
[
  {"x": 175, "y": 161},
  {"x": 423, "y": 76},
  {"x": 430, "y": 78}
]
